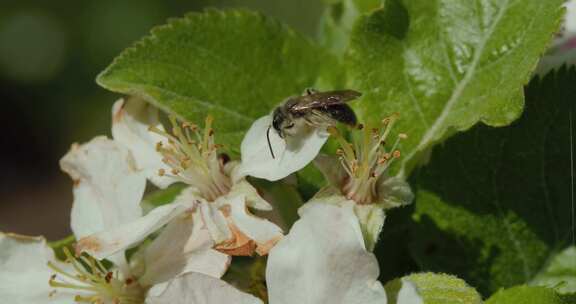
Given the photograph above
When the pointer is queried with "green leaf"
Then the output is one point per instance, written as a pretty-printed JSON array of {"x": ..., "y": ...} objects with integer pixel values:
[
  {"x": 526, "y": 295},
  {"x": 435, "y": 288},
  {"x": 560, "y": 273},
  {"x": 445, "y": 65},
  {"x": 284, "y": 198},
  {"x": 493, "y": 205},
  {"x": 59, "y": 245},
  {"x": 569, "y": 298},
  {"x": 249, "y": 275},
  {"x": 338, "y": 20},
  {"x": 310, "y": 180},
  {"x": 234, "y": 65},
  {"x": 161, "y": 197}
]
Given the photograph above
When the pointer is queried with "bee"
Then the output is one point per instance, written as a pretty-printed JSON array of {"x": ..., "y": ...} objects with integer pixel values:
[{"x": 314, "y": 109}]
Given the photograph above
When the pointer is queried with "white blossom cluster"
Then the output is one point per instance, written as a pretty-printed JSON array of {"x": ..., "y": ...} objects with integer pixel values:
[{"x": 178, "y": 252}]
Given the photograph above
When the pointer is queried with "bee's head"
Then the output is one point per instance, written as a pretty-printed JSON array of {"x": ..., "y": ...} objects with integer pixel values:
[
  {"x": 277, "y": 118},
  {"x": 281, "y": 121}
]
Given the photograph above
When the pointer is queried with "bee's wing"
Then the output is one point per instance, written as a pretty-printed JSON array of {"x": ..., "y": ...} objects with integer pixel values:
[{"x": 323, "y": 100}]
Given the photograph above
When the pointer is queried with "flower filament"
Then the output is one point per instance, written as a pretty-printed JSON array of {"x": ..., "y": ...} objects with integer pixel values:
[
  {"x": 193, "y": 157},
  {"x": 93, "y": 282},
  {"x": 367, "y": 160}
]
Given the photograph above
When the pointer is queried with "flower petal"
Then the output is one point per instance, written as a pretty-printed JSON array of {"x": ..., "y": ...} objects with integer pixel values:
[
  {"x": 332, "y": 169},
  {"x": 215, "y": 222},
  {"x": 408, "y": 294},
  {"x": 106, "y": 243},
  {"x": 371, "y": 218},
  {"x": 185, "y": 245},
  {"x": 24, "y": 273},
  {"x": 107, "y": 186},
  {"x": 131, "y": 120},
  {"x": 291, "y": 154},
  {"x": 323, "y": 260},
  {"x": 263, "y": 232},
  {"x": 253, "y": 199},
  {"x": 394, "y": 192},
  {"x": 199, "y": 289}
]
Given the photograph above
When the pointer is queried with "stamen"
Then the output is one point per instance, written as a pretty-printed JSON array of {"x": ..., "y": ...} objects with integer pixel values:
[
  {"x": 192, "y": 157},
  {"x": 344, "y": 145},
  {"x": 367, "y": 160},
  {"x": 93, "y": 282}
]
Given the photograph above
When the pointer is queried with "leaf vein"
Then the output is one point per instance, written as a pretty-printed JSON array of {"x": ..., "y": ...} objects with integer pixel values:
[{"x": 429, "y": 136}]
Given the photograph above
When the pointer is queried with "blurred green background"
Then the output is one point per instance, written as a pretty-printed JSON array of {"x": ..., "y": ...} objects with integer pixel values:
[{"x": 50, "y": 54}]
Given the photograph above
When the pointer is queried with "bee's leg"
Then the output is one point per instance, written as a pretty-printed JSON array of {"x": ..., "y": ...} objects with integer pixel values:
[
  {"x": 319, "y": 119},
  {"x": 310, "y": 91}
]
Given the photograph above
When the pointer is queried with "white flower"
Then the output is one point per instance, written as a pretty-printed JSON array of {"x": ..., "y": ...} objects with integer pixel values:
[
  {"x": 184, "y": 246},
  {"x": 291, "y": 153},
  {"x": 30, "y": 274},
  {"x": 359, "y": 173},
  {"x": 323, "y": 260},
  {"x": 131, "y": 122},
  {"x": 108, "y": 189},
  {"x": 362, "y": 173},
  {"x": 200, "y": 289},
  {"x": 187, "y": 155},
  {"x": 24, "y": 271}
]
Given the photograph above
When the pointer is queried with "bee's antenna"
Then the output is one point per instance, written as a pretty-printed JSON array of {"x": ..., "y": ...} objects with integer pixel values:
[{"x": 269, "y": 145}]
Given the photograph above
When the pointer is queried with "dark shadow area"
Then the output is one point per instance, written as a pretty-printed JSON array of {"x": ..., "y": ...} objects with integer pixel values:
[
  {"x": 392, "y": 249},
  {"x": 50, "y": 54},
  {"x": 502, "y": 192},
  {"x": 453, "y": 254}
]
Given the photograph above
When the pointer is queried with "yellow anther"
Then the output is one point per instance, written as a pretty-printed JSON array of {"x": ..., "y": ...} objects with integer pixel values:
[{"x": 189, "y": 126}]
